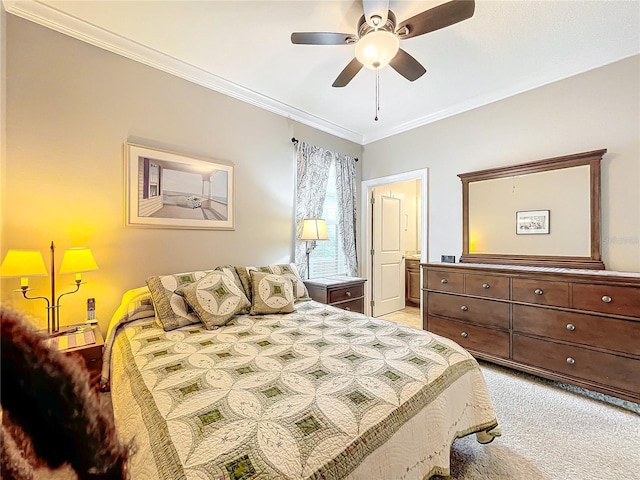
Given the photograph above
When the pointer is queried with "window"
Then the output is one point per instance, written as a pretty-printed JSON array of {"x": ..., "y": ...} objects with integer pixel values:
[
  {"x": 328, "y": 257},
  {"x": 154, "y": 177}
]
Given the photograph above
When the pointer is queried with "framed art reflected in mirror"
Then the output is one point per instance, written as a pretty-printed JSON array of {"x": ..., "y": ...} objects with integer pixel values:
[{"x": 532, "y": 222}]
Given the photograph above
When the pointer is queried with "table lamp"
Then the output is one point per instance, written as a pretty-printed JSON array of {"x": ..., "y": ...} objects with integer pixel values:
[{"x": 313, "y": 229}]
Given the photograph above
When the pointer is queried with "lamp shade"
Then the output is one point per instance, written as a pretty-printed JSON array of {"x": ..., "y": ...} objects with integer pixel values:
[
  {"x": 78, "y": 259},
  {"x": 23, "y": 263},
  {"x": 376, "y": 49},
  {"x": 314, "y": 229}
]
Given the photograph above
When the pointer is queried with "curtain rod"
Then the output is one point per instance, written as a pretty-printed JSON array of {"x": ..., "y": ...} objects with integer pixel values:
[{"x": 295, "y": 141}]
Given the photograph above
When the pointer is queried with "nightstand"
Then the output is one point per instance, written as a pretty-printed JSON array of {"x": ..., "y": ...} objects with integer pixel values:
[
  {"x": 339, "y": 291},
  {"x": 90, "y": 353}
]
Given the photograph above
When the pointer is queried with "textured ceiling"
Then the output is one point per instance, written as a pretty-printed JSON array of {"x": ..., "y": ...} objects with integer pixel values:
[{"x": 243, "y": 49}]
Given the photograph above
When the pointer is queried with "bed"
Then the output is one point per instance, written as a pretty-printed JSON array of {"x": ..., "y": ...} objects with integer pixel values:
[{"x": 314, "y": 392}]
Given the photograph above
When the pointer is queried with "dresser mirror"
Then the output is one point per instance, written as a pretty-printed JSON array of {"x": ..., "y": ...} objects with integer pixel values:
[{"x": 542, "y": 213}]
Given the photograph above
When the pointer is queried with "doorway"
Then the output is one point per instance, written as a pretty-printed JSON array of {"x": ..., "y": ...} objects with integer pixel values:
[{"x": 394, "y": 224}]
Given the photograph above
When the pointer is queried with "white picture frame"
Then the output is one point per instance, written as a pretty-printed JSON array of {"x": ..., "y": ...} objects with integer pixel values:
[
  {"x": 532, "y": 222},
  {"x": 171, "y": 190}
]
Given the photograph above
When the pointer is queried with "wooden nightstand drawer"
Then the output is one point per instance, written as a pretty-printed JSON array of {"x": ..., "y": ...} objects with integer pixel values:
[
  {"x": 340, "y": 291},
  {"x": 356, "y": 305},
  {"x": 346, "y": 293}
]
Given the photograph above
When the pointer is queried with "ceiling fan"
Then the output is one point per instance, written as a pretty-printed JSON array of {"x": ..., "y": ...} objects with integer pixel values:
[{"x": 377, "y": 41}]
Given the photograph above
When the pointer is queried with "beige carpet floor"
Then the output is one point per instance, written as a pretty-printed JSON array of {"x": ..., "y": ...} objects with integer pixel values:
[{"x": 551, "y": 431}]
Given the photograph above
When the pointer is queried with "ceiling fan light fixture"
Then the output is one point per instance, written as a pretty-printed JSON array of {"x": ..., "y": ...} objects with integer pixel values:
[{"x": 377, "y": 48}]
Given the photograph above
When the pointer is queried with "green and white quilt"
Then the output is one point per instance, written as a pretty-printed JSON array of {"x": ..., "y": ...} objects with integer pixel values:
[{"x": 308, "y": 394}]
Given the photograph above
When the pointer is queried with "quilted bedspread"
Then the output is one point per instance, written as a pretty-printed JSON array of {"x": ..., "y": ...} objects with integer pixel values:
[{"x": 310, "y": 394}]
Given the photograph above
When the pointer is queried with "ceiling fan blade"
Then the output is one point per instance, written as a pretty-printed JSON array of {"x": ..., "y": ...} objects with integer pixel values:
[
  {"x": 436, "y": 18},
  {"x": 407, "y": 66},
  {"x": 372, "y": 8},
  {"x": 348, "y": 73},
  {"x": 321, "y": 38}
]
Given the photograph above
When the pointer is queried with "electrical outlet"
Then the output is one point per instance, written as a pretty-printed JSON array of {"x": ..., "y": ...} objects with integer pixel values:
[{"x": 448, "y": 258}]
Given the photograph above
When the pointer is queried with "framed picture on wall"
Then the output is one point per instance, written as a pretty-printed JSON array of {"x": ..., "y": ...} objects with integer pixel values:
[
  {"x": 171, "y": 190},
  {"x": 532, "y": 222}
]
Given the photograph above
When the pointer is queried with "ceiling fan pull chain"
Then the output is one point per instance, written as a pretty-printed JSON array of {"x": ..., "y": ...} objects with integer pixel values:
[{"x": 377, "y": 94}]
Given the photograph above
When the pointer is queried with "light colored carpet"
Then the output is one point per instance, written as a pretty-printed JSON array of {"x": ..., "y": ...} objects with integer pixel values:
[{"x": 551, "y": 431}]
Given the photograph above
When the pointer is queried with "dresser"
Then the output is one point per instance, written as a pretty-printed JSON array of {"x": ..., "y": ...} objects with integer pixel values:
[
  {"x": 575, "y": 326},
  {"x": 340, "y": 291}
]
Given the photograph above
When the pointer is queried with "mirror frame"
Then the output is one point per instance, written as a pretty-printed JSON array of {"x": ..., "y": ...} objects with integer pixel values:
[{"x": 594, "y": 261}]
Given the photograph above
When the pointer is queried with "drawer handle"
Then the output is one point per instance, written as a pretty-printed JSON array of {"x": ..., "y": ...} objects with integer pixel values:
[
  {"x": 571, "y": 327},
  {"x": 348, "y": 294},
  {"x": 537, "y": 291},
  {"x": 570, "y": 361},
  {"x": 444, "y": 281},
  {"x": 606, "y": 299},
  {"x": 347, "y": 308},
  {"x": 486, "y": 285},
  {"x": 464, "y": 308},
  {"x": 464, "y": 334}
]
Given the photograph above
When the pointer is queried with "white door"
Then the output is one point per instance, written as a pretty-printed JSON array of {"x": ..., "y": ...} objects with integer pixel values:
[{"x": 388, "y": 253}]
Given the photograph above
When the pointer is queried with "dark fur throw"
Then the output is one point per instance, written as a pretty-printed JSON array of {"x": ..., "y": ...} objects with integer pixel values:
[{"x": 53, "y": 424}]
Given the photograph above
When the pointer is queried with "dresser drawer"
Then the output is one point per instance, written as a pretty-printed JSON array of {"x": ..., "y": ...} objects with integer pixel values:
[
  {"x": 540, "y": 292},
  {"x": 341, "y": 294},
  {"x": 356, "y": 305},
  {"x": 607, "y": 299},
  {"x": 472, "y": 337},
  {"x": 600, "y": 332},
  {"x": 445, "y": 281},
  {"x": 490, "y": 286},
  {"x": 582, "y": 363},
  {"x": 474, "y": 310}
]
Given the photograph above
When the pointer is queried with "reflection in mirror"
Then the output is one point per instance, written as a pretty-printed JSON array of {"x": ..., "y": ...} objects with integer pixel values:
[{"x": 557, "y": 201}]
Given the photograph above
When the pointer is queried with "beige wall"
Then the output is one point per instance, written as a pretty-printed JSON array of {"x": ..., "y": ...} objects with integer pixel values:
[
  {"x": 593, "y": 110},
  {"x": 493, "y": 205},
  {"x": 71, "y": 107}
]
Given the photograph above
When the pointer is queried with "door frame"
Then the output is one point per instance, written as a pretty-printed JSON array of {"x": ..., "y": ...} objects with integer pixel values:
[{"x": 365, "y": 223}]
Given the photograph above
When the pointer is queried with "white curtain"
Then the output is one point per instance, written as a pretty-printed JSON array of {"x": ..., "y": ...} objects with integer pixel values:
[
  {"x": 313, "y": 172},
  {"x": 346, "y": 188}
]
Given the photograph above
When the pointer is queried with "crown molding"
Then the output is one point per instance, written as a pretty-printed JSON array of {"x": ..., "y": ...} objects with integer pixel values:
[{"x": 54, "y": 19}]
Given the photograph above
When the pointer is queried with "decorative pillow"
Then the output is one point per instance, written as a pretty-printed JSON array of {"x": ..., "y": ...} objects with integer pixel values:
[
  {"x": 230, "y": 270},
  {"x": 215, "y": 298},
  {"x": 288, "y": 270},
  {"x": 244, "y": 274},
  {"x": 271, "y": 293},
  {"x": 172, "y": 309}
]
